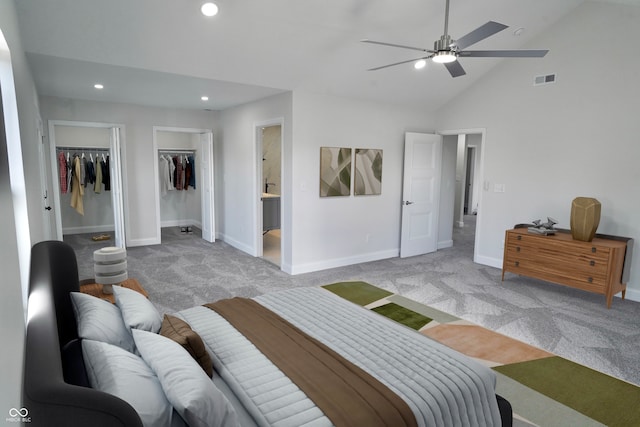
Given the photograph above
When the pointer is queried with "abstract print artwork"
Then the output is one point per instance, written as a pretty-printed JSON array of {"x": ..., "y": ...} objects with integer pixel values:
[
  {"x": 335, "y": 171},
  {"x": 368, "y": 172}
]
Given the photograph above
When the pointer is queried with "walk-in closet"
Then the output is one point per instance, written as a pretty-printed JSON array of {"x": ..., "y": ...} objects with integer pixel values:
[
  {"x": 179, "y": 157},
  {"x": 87, "y": 192}
]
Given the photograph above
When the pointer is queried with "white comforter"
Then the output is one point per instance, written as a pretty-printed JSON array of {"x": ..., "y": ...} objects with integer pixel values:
[{"x": 441, "y": 386}]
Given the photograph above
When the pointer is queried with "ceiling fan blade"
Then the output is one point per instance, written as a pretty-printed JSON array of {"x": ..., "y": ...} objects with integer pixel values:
[
  {"x": 455, "y": 69},
  {"x": 480, "y": 33},
  {"x": 397, "y": 45},
  {"x": 398, "y": 63},
  {"x": 503, "y": 53}
]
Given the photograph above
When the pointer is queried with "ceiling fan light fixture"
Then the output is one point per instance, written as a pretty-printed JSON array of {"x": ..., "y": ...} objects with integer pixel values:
[
  {"x": 209, "y": 9},
  {"x": 444, "y": 57},
  {"x": 420, "y": 64}
]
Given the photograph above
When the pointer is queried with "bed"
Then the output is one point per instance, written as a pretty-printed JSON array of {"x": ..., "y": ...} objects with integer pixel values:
[{"x": 240, "y": 379}]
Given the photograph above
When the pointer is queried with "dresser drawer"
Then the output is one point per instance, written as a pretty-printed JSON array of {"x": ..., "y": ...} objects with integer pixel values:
[
  {"x": 558, "y": 274},
  {"x": 596, "y": 264},
  {"x": 558, "y": 247}
]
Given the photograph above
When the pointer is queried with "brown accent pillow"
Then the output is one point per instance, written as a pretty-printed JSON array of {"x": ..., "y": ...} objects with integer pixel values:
[{"x": 179, "y": 331}]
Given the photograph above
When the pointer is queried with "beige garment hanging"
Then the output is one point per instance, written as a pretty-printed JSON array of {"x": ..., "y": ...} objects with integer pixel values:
[{"x": 77, "y": 189}]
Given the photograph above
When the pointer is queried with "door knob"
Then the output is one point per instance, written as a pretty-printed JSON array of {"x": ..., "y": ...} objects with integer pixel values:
[{"x": 408, "y": 203}]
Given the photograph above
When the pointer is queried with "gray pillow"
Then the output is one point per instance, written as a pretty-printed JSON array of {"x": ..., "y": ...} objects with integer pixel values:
[
  {"x": 185, "y": 384},
  {"x": 100, "y": 320},
  {"x": 137, "y": 311},
  {"x": 125, "y": 375}
]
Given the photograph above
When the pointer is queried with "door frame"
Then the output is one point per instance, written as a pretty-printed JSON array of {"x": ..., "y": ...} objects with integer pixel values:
[
  {"x": 480, "y": 177},
  {"x": 120, "y": 211},
  {"x": 258, "y": 241},
  {"x": 203, "y": 185}
]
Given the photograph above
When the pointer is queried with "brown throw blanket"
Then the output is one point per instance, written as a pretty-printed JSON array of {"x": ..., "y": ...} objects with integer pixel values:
[{"x": 346, "y": 394}]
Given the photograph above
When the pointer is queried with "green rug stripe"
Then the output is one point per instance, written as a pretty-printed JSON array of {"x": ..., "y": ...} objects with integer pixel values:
[
  {"x": 430, "y": 312},
  {"x": 402, "y": 315},
  {"x": 360, "y": 293},
  {"x": 606, "y": 399}
]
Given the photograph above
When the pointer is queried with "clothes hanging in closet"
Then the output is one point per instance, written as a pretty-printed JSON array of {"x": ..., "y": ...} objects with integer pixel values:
[
  {"x": 166, "y": 174},
  {"x": 62, "y": 168},
  {"x": 106, "y": 173},
  {"x": 97, "y": 187},
  {"x": 179, "y": 181},
  {"x": 192, "y": 181},
  {"x": 78, "y": 172},
  {"x": 77, "y": 189}
]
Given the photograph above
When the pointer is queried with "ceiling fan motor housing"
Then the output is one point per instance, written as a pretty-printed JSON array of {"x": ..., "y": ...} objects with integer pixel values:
[{"x": 444, "y": 44}]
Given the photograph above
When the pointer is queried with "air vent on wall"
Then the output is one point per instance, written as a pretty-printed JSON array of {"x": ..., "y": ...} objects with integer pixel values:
[{"x": 544, "y": 80}]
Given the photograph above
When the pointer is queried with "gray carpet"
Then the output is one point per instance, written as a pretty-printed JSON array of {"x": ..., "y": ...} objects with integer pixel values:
[{"x": 185, "y": 271}]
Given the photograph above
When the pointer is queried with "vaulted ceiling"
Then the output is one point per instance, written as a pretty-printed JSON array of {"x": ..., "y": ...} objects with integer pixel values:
[{"x": 166, "y": 53}]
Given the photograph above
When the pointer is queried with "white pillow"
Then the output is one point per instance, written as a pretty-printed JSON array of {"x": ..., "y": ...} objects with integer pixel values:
[
  {"x": 185, "y": 384},
  {"x": 125, "y": 375},
  {"x": 100, "y": 320},
  {"x": 137, "y": 311}
]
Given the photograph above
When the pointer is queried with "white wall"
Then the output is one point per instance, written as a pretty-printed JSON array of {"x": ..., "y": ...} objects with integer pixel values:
[
  {"x": 137, "y": 151},
  {"x": 333, "y": 231},
  {"x": 20, "y": 201},
  {"x": 237, "y": 184},
  {"x": 552, "y": 143}
]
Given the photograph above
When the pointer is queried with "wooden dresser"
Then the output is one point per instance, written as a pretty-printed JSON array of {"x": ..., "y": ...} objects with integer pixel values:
[{"x": 594, "y": 266}]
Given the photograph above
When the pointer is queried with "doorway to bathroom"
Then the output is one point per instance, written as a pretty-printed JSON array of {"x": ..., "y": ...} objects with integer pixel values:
[{"x": 269, "y": 171}]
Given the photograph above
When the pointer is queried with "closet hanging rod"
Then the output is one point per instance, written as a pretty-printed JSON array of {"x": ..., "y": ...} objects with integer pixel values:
[
  {"x": 63, "y": 148},
  {"x": 176, "y": 151}
]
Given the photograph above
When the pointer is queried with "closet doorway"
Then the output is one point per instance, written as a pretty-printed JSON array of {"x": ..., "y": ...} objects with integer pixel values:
[
  {"x": 184, "y": 182},
  {"x": 269, "y": 174},
  {"x": 93, "y": 201}
]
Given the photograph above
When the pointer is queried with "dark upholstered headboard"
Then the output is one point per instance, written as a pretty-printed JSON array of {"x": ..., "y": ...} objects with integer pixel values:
[{"x": 56, "y": 391}]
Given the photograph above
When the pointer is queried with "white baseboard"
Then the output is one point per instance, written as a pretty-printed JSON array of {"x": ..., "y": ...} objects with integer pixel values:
[
  {"x": 341, "y": 262},
  {"x": 142, "y": 242},
  {"x": 89, "y": 229},
  {"x": 237, "y": 244},
  {"x": 181, "y": 223},
  {"x": 491, "y": 262},
  {"x": 445, "y": 244},
  {"x": 632, "y": 295}
]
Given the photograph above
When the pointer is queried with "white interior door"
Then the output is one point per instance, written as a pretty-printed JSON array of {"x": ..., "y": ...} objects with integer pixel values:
[
  {"x": 116, "y": 187},
  {"x": 420, "y": 193},
  {"x": 206, "y": 180}
]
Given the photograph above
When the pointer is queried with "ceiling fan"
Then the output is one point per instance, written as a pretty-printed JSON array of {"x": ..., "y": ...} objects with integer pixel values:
[{"x": 447, "y": 51}]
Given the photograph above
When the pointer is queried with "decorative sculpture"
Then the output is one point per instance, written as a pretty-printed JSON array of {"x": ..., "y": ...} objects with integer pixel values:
[{"x": 545, "y": 228}]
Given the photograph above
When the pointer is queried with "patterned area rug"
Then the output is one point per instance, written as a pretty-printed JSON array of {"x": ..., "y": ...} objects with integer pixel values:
[{"x": 543, "y": 389}]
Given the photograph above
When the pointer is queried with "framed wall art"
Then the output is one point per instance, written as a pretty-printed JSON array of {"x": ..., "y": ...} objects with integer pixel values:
[
  {"x": 335, "y": 171},
  {"x": 368, "y": 172}
]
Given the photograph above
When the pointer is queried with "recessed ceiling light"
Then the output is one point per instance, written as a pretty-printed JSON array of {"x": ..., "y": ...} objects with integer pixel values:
[
  {"x": 420, "y": 64},
  {"x": 204, "y": 98},
  {"x": 209, "y": 9},
  {"x": 98, "y": 86}
]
